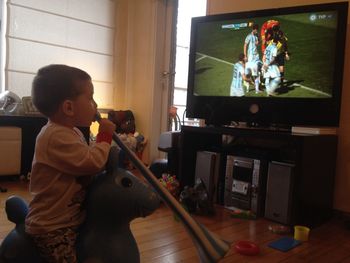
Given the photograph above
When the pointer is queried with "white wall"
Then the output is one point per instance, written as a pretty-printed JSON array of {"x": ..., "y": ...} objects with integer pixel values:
[
  {"x": 78, "y": 33},
  {"x": 142, "y": 50}
]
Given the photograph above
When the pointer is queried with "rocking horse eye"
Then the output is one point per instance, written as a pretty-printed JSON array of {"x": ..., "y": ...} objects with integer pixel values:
[{"x": 126, "y": 182}]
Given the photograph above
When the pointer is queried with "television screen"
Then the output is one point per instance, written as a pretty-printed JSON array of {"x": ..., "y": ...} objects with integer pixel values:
[{"x": 279, "y": 65}]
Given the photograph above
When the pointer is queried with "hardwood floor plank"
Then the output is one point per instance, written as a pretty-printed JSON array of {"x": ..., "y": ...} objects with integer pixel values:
[{"x": 162, "y": 239}]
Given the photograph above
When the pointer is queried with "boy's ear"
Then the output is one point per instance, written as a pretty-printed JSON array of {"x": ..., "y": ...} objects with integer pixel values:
[{"x": 68, "y": 108}]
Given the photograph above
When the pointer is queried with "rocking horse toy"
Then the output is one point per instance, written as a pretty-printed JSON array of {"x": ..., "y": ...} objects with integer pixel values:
[{"x": 116, "y": 198}]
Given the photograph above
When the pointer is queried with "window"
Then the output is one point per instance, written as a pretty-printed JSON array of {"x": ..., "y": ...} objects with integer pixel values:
[
  {"x": 61, "y": 34},
  {"x": 186, "y": 10}
]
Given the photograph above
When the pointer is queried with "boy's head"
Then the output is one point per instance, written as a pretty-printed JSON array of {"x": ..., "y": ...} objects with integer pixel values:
[{"x": 53, "y": 84}]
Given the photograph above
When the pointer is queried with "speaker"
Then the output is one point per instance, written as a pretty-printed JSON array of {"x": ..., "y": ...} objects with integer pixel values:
[
  {"x": 207, "y": 169},
  {"x": 278, "y": 203}
]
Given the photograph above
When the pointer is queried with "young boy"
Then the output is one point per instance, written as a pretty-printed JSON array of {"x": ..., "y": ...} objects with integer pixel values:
[{"x": 63, "y": 162}]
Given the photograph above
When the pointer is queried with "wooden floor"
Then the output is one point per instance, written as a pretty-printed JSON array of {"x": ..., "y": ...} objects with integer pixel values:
[{"x": 162, "y": 239}]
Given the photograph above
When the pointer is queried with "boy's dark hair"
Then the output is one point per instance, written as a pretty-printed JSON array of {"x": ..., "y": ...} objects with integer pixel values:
[
  {"x": 55, "y": 83},
  {"x": 255, "y": 26}
]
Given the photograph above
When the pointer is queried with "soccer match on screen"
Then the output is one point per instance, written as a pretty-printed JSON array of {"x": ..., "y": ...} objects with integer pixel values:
[{"x": 289, "y": 56}]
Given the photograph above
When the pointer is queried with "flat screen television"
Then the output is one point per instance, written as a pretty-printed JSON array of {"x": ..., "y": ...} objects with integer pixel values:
[{"x": 280, "y": 66}]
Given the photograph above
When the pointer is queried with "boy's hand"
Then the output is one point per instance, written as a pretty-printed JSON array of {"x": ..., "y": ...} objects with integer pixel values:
[{"x": 106, "y": 126}]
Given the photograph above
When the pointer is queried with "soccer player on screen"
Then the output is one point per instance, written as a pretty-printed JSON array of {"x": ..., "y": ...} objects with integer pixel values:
[
  {"x": 238, "y": 77},
  {"x": 266, "y": 33},
  {"x": 271, "y": 30},
  {"x": 282, "y": 49},
  {"x": 250, "y": 50},
  {"x": 271, "y": 72}
]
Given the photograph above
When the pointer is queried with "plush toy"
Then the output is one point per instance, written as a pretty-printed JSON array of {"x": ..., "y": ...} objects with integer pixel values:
[
  {"x": 170, "y": 183},
  {"x": 116, "y": 198},
  {"x": 196, "y": 200}
]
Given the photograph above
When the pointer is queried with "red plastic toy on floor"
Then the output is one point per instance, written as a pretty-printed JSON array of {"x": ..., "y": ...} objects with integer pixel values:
[{"x": 247, "y": 248}]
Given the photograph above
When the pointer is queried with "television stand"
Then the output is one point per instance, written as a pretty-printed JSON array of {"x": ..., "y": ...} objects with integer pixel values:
[
  {"x": 260, "y": 126},
  {"x": 310, "y": 160}
]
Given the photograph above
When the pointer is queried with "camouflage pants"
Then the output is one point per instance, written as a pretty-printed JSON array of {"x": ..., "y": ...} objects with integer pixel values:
[{"x": 57, "y": 246}]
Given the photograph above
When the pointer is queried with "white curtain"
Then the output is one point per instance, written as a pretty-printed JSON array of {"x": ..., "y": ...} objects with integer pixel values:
[{"x": 78, "y": 33}]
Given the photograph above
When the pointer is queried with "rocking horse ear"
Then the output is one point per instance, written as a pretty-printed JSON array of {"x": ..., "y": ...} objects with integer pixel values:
[{"x": 112, "y": 162}]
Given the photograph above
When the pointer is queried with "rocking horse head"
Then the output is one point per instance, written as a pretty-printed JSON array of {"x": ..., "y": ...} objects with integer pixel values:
[{"x": 115, "y": 198}]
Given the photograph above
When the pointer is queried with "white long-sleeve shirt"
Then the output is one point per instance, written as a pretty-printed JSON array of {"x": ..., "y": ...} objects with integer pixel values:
[{"x": 63, "y": 165}]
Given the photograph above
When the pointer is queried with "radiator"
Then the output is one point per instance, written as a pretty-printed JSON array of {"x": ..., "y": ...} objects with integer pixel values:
[{"x": 10, "y": 150}]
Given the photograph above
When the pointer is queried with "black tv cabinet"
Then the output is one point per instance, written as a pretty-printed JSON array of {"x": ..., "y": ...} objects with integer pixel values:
[{"x": 312, "y": 156}]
